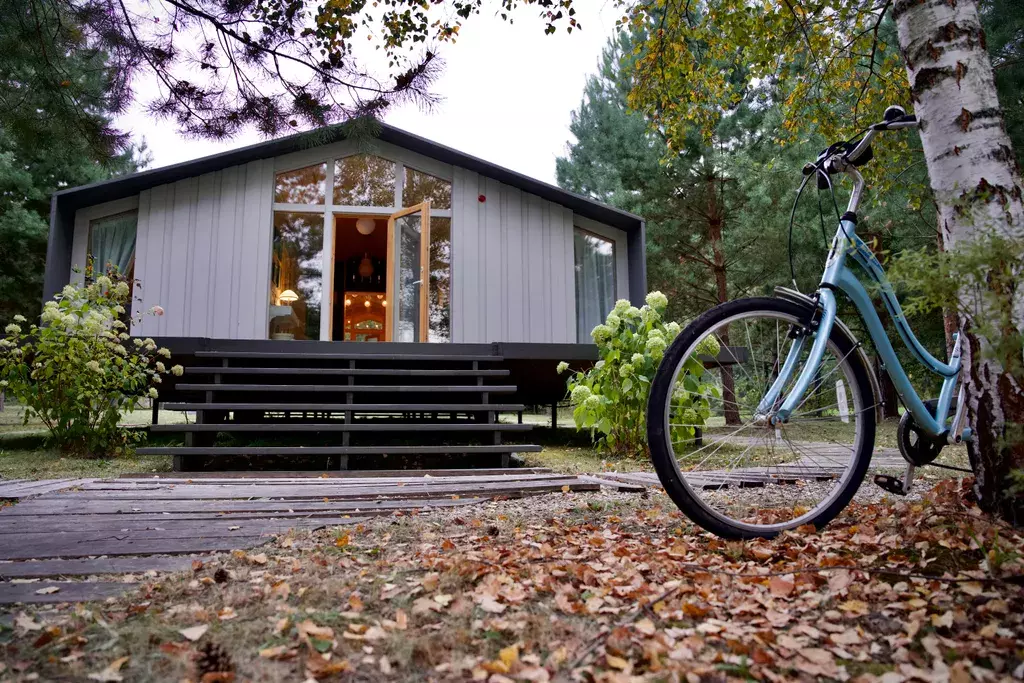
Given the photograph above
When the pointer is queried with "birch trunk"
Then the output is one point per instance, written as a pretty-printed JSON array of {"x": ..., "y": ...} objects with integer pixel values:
[{"x": 978, "y": 188}]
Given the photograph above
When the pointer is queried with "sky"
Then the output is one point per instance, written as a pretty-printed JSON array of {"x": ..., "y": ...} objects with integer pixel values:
[{"x": 507, "y": 92}]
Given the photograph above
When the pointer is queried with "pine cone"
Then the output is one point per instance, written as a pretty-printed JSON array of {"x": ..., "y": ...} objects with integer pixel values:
[{"x": 213, "y": 659}]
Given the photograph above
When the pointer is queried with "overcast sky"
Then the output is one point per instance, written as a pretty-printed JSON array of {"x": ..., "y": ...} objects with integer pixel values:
[{"x": 508, "y": 92}]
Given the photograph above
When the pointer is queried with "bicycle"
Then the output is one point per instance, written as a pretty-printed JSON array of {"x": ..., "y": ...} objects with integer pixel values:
[{"x": 765, "y": 367}]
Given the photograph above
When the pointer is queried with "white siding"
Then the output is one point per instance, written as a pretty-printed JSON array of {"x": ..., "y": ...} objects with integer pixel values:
[
  {"x": 203, "y": 254},
  {"x": 512, "y": 264}
]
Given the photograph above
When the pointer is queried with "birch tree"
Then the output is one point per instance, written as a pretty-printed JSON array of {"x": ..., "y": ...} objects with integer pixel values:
[{"x": 827, "y": 53}]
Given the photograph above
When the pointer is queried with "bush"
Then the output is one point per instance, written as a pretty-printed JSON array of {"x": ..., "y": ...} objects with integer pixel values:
[
  {"x": 79, "y": 370},
  {"x": 610, "y": 399}
]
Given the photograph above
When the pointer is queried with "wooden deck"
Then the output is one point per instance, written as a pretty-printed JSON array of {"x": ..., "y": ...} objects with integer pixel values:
[{"x": 121, "y": 528}]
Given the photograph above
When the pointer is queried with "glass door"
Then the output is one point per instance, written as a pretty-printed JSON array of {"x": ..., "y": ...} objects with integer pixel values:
[{"x": 408, "y": 253}]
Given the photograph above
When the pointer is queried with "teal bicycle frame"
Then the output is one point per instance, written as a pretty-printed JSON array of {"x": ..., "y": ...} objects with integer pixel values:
[{"x": 838, "y": 276}]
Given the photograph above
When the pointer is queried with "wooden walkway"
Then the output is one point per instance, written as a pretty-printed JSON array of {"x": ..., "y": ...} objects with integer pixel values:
[{"x": 60, "y": 529}]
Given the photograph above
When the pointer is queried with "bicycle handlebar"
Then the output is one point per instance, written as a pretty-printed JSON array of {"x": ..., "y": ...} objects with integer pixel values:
[{"x": 839, "y": 156}]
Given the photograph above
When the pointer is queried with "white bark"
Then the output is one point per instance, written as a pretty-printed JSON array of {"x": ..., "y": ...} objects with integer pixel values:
[{"x": 978, "y": 189}]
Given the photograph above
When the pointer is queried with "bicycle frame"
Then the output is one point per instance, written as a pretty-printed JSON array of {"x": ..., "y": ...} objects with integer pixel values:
[{"x": 838, "y": 276}]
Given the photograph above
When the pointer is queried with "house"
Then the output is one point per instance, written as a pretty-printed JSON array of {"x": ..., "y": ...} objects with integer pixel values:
[
  {"x": 380, "y": 271},
  {"x": 292, "y": 240}
]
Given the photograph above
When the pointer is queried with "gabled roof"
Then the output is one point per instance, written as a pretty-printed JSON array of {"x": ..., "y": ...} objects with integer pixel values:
[{"x": 87, "y": 195}]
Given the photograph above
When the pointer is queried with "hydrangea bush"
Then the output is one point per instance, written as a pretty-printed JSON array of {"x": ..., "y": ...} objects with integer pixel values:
[
  {"x": 79, "y": 369},
  {"x": 610, "y": 399}
]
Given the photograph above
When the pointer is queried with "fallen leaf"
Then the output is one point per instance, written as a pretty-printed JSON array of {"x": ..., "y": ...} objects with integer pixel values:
[
  {"x": 509, "y": 655},
  {"x": 565, "y": 489},
  {"x": 616, "y": 662},
  {"x": 781, "y": 587},
  {"x": 227, "y": 613},
  {"x": 258, "y": 559},
  {"x": 25, "y": 623},
  {"x": 110, "y": 673},
  {"x": 279, "y": 652},
  {"x": 401, "y": 620},
  {"x": 355, "y": 602},
  {"x": 489, "y": 604},
  {"x": 194, "y": 633},
  {"x": 49, "y": 590}
]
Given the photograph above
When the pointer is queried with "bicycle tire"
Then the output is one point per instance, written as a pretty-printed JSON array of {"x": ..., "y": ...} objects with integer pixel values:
[{"x": 664, "y": 458}]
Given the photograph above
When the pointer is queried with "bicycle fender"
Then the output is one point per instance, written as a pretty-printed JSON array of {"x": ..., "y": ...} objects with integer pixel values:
[{"x": 802, "y": 299}]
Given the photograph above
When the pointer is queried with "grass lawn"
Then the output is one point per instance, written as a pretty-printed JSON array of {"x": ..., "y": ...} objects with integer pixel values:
[{"x": 50, "y": 464}]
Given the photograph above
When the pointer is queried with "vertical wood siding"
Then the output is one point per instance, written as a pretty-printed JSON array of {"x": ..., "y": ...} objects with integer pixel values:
[
  {"x": 203, "y": 254},
  {"x": 512, "y": 267}
]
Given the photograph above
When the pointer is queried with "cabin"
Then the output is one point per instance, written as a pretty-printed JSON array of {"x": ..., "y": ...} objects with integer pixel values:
[{"x": 316, "y": 253}]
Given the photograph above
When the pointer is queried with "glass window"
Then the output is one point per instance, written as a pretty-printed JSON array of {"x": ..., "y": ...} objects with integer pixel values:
[
  {"x": 112, "y": 242},
  {"x": 364, "y": 180},
  {"x": 420, "y": 187},
  {"x": 302, "y": 186},
  {"x": 594, "y": 261},
  {"x": 112, "y": 247},
  {"x": 439, "y": 304},
  {"x": 296, "y": 276}
]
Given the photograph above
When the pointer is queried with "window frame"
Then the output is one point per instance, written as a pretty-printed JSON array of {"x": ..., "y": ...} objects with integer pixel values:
[
  {"x": 615, "y": 272},
  {"x": 329, "y": 155}
]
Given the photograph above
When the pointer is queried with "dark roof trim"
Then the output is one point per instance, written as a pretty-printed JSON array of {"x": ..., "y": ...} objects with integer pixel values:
[{"x": 109, "y": 190}]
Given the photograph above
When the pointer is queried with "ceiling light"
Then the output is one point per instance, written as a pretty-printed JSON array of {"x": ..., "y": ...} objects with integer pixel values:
[{"x": 366, "y": 226}]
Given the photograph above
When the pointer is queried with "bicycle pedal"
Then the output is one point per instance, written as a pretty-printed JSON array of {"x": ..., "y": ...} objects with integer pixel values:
[{"x": 890, "y": 483}]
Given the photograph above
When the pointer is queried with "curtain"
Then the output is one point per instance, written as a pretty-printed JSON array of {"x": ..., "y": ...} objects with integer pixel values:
[
  {"x": 112, "y": 241},
  {"x": 594, "y": 260}
]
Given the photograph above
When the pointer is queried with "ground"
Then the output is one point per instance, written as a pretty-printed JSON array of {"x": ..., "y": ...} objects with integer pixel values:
[{"x": 598, "y": 586}]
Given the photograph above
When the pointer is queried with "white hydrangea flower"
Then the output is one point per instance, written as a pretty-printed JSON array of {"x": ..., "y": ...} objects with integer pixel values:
[
  {"x": 160, "y": 367},
  {"x": 637, "y": 359},
  {"x": 103, "y": 282},
  {"x": 613, "y": 321},
  {"x": 672, "y": 328},
  {"x": 69, "y": 291},
  {"x": 656, "y": 300},
  {"x": 580, "y": 394},
  {"x": 601, "y": 333},
  {"x": 166, "y": 353},
  {"x": 562, "y": 367},
  {"x": 153, "y": 393},
  {"x": 94, "y": 365},
  {"x": 177, "y": 371},
  {"x": 20, "y": 319},
  {"x": 592, "y": 402},
  {"x": 13, "y": 329},
  {"x": 622, "y": 305},
  {"x": 122, "y": 290},
  {"x": 626, "y": 370}
]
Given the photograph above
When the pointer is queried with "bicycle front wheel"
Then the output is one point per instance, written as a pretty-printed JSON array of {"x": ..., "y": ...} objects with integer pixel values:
[{"x": 733, "y": 472}]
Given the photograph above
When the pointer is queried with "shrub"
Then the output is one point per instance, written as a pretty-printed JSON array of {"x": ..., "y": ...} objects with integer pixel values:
[
  {"x": 79, "y": 370},
  {"x": 610, "y": 399}
]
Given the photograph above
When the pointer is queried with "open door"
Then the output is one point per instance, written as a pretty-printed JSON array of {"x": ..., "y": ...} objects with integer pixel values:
[{"x": 408, "y": 273}]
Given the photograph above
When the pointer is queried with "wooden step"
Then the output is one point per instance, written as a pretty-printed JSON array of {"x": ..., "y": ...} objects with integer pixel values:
[
  {"x": 370, "y": 372},
  {"x": 355, "y": 407},
  {"x": 345, "y": 388},
  {"x": 313, "y": 356},
  {"x": 338, "y": 450},
  {"x": 380, "y": 426},
  {"x": 321, "y": 475}
]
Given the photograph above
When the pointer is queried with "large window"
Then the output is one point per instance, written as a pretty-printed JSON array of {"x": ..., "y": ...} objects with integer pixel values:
[
  {"x": 302, "y": 186},
  {"x": 359, "y": 186},
  {"x": 594, "y": 261},
  {"x": 111, "y": 247},
  {"x": 296, "y": 279},
  {"x": 364, "y": 180}
]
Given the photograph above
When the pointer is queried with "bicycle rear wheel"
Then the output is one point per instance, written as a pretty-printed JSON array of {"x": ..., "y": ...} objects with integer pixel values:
[{"x": 739, "y": 477}]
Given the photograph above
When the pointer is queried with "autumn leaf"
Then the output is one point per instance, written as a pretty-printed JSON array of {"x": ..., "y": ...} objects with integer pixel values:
[
  {"x": 194, "y": 633},
  {"x": 781, "y": 587},
  {"x": 279, "y": 652},
  {"x": 489, "y": 604},
  {"x": 110, "y": 674}
]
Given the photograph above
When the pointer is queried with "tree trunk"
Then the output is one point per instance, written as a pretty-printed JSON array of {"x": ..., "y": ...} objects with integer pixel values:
[
  {"x": 978, "y": 189},
  {"x": 731, "y": 409}
]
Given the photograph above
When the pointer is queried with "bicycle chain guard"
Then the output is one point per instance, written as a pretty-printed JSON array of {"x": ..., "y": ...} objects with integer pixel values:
[{"x": 917, "y": 447}]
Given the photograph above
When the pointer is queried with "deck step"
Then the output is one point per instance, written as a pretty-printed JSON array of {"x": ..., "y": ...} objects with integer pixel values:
[
  {"x": 355, "y": 389},
  {"x": 357, "y": 372},
  {"x": 375, "y": 426},
  {"x": 355, "y": 407},
  {"x": 339, "y": 450},
  {"x": 312, "y": 356}
]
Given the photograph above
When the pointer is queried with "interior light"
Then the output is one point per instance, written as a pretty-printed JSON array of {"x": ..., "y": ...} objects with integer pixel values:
[
  {"x": 288, "y": 296},
  {"x": 384, "y": 303},
  {"x": 366, "y": 226},
  {"x": 366, "y": 303},
  {"x": 348, "y": 302}
]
